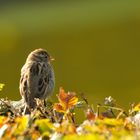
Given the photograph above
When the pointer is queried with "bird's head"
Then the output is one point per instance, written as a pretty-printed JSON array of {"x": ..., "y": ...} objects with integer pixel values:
[{"x": 40, "y": 55}]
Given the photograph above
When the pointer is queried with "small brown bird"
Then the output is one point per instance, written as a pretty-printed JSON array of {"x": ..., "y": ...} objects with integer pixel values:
[{"x": 37, "y": 78}]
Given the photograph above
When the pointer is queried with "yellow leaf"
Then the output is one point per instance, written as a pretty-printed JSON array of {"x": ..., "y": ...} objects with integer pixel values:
[
  {"x": 137, "y": 107},
  {"x": 58, "y": 107},
  {"x": 1, "y": 86},
  {"x": 66, "y": 100}
]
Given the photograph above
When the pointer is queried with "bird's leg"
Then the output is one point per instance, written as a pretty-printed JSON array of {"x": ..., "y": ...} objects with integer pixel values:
[
  {"x": 44, "y": 102},
  {"x": 24, "y": 111}
]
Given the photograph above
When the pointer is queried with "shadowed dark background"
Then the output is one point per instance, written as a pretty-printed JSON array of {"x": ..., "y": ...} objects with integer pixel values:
[{"x": 96, "y": 46}]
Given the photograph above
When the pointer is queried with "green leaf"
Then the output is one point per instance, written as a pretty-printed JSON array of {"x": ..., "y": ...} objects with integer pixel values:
[{"x": 44, "y": 125}]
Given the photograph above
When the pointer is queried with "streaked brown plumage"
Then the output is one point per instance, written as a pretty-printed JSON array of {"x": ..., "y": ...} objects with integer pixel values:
[{"x": 37, "y": 77}]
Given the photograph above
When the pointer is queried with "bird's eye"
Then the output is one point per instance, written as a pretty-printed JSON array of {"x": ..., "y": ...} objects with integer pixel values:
[{"x": 43, "y": 54}]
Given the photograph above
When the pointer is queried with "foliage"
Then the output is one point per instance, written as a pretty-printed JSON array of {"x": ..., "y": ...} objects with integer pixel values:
[
  {"x": 1, "y": 86},
  {"x": 56, "y": 121}
]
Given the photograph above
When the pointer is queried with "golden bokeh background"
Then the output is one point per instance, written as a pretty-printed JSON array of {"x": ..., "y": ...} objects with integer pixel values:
[{"x": 96, "y": 46}]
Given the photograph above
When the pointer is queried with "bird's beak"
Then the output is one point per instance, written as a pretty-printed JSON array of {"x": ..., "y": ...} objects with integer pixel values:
[{"x": 52, "y": 59}]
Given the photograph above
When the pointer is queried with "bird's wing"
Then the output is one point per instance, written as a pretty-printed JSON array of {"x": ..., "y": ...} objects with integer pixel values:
[
  {"x": 38, "y": 79},
  {"x": 23, "y": 83},
  {"x": 30, "y": 75},
  {"x": 45, "y": 81}
]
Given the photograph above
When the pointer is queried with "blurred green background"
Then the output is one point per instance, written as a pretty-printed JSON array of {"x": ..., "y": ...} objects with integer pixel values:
[{"x": 96, "y": 46}]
